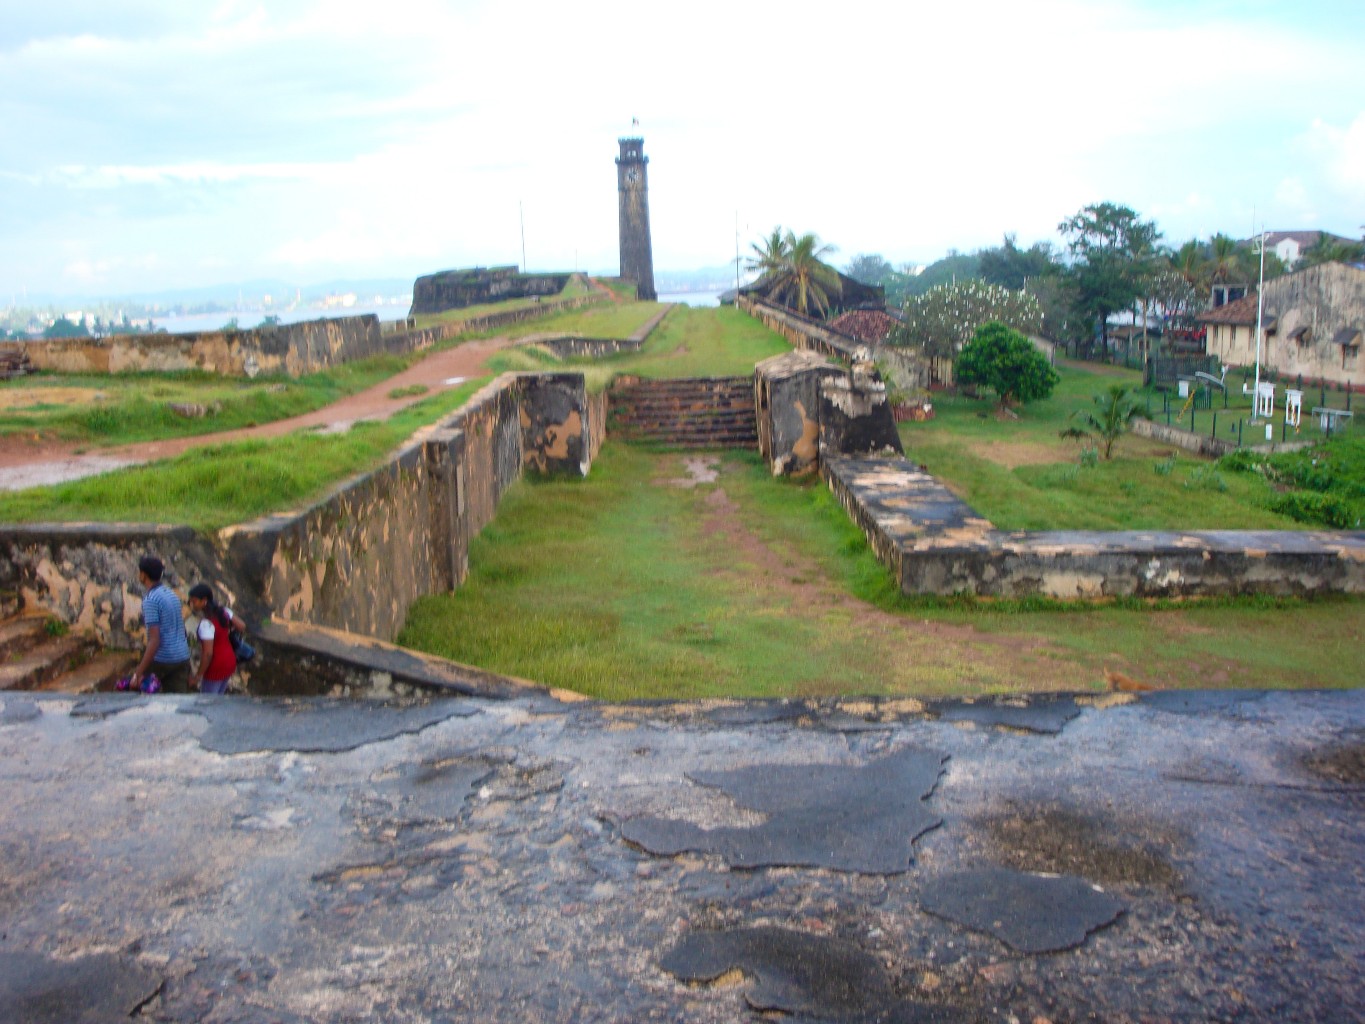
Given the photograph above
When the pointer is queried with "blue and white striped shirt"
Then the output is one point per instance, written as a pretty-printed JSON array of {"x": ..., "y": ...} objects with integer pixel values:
[{"x": 161, "y": 608}]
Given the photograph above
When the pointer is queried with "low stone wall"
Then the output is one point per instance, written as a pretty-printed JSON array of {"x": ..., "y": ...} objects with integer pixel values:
[
  {"x": 802, "y": 332},
  {"x": 934, "y": 544},
  {"x": 508, "y": 317},
  {"x": 1203, "y": 444}
]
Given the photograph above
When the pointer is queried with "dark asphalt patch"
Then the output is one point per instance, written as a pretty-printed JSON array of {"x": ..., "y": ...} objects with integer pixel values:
[
  {"x": 1047, "y": 715},
  {"x": 1028, "y": 912},
  {"x": 16, "y": 711},
  {"x": 848, "y": 818},
  {"x": 1343, "y": 761},
  {"x": 103, "y": 705},
  {"x": 312, "y": 726},
  {"x": 1064, "y": 842},
  {"x": 1198, "y": 702},
  {"x": 807, "y": 976},
  {"x": 101, "y": 989}
]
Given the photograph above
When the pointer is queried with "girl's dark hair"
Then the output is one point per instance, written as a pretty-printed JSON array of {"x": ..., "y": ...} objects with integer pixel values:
[{"x": 205, "y": 592}]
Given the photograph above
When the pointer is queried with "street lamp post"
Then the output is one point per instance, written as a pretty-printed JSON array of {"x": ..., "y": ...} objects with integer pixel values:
[{"x": 1260, "y": 306}]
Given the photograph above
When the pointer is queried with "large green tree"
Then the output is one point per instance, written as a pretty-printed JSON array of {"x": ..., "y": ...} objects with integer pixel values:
[
  {"x": 1000, "y": 358},
  {"x": 1112, "y": 252}
]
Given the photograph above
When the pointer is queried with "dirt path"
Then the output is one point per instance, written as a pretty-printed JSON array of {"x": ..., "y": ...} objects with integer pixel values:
[
  {"x": 917, "y": 655},
  {"x": 34, "y": 464}
]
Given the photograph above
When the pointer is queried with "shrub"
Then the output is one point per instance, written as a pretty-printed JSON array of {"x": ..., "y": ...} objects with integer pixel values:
[{"x": 1005, "y": 361}]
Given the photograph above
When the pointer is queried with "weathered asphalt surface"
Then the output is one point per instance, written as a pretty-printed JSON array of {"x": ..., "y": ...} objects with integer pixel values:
[{"x": 1181, "y": 857}]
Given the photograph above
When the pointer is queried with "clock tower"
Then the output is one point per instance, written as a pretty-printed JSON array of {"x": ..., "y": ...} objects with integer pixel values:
[{"x": 637, "y": 253}]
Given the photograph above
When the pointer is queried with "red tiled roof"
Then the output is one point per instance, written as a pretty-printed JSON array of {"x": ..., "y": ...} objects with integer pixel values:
[
  {"x": 867, "y": 325},
  {"x": 1239, "y": 311}
]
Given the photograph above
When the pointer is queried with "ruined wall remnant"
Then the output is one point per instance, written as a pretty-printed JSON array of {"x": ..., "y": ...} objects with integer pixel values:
[
  {"x": 456, "y": 289},
  {"x": 787, "y": 393},
  {"x": 556, "y": 430},
  {"x": 810, "y": 409}
]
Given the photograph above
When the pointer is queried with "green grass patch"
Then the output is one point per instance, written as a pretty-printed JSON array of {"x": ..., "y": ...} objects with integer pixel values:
[
  {"x": 690, "y": 342},
  {"x": 127, "y": 408},
  {"x": 623, "y": 586},
  {"x": 1021, "y": 475},
  {"x": 212, "y": 487},
  {"x": 410, "y": 391}
]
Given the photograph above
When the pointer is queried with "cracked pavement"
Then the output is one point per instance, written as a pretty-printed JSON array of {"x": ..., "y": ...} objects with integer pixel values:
[{"x": 1165, "y": 858}]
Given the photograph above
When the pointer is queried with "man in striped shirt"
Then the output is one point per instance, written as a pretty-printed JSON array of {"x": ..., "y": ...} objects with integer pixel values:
[{"x": 168, "y": 652}]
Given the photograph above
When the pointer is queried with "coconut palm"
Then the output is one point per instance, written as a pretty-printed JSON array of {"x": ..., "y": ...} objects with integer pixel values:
[
  {"x": 1333, "y": 250},
  {"x": 770, "y": 255},
  {"x": 1225, "y": 259},
  {"x": 1188, "y": 261},
  {"x": 803, "y": 281},
  {"x": 1114, "y": 410}
]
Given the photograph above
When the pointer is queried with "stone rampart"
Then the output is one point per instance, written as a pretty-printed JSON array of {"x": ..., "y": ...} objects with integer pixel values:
[
  {"x": 934, "y": 544},
  {"x": 357, "y": 559},
  {"x": 293, "y": 349}
]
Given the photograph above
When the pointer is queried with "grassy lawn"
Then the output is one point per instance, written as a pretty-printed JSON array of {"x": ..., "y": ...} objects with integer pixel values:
[
  {"x": 1022, "y": 475},
  {"x": 627, "y": 585},
  {"x": 691, "y": 342},
  {"x": 125, "y": 408},
  {"x": 209, "y": 488}
]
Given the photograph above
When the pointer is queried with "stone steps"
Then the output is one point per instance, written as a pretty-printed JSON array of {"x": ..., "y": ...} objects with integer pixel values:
[
  {"x": 696, "y": 412},
  {"x": 31, "y": 658}
]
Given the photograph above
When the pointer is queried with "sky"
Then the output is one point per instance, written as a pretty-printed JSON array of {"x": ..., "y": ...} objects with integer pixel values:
[{"x": 159, "y": 144}]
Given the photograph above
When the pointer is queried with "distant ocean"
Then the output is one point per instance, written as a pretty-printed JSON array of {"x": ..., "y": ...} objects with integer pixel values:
[
  {"x": 251, "y": 318},
  {"x": 692, "y": 298}
]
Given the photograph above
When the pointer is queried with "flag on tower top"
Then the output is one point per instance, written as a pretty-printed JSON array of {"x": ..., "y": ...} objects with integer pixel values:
[{"x": 635, "y": 122}]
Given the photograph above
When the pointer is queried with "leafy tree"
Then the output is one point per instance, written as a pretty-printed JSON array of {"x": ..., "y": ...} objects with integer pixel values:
[
  {"x": 1332, "y": 250},
  {"x": 869, "y": 269},
  {"x": 64, "y": 328},
  {"x": 798, "y": 277},
  {"x": 1114, "y": 410},
  {"x": 944, "y": 319},
  {"x": 1012, "y": 267},
  {"x": 1005, "y": 361},
  {"x": 1111, "y": 251},
  {"x": 270, "y": 320},
  {"x": 230, "y": 326},
  {"x": 1176, "y": 296},
  {"x": 1226, "y": 262}
]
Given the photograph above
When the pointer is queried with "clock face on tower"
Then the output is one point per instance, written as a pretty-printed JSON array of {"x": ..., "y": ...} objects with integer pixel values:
[{"x": 632, "y": 176}]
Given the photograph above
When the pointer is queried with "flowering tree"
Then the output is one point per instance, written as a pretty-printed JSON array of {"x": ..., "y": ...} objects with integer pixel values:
[{"x": 944, "y": 319}]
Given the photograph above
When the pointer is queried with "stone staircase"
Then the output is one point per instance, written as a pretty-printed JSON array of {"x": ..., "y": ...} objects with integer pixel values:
[
  {"x": 692, "y": 412},
  {"x": 33, "y": 657}
]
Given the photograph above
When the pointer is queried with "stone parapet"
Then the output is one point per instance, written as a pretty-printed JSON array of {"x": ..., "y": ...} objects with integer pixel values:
[{"x": 935, "y": 544}]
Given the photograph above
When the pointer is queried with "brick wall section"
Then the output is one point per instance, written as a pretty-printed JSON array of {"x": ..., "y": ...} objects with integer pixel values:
[{"x": 691, "y": 412}]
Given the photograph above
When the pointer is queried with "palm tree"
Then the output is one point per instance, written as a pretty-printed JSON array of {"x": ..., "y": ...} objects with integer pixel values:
[
  {"x": 770, "y": 255},
  {"x": 1188, "y": 261},
  {"x": 1226, "y": 260},
  {"x": 1332, "y": 250},
  {"x": 1114, "y": 411},
  {"x": 803, "y": 281}
]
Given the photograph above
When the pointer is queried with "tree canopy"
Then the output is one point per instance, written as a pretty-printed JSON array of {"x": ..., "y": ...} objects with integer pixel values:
[
  {"x": 871, "y": 269},
  {"x": 942, "y": 320},
  {"x": 1332, "y": 250},
  {"x": 1012, "y": 267},
  {"x": 1112, "y": 251},
  {"x": 1000, "y": 358}
]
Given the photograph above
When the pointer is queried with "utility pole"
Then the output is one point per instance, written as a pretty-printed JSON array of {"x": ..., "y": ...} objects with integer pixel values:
[{"x": 1260, "y": 305}]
